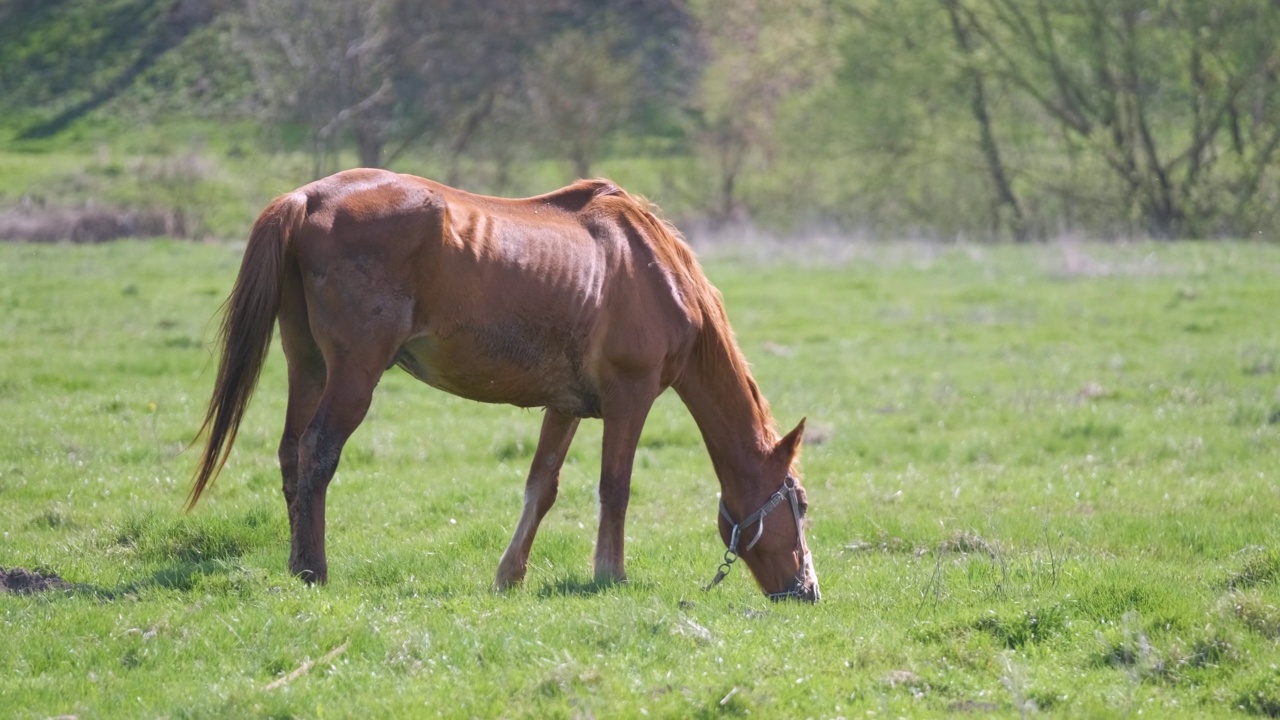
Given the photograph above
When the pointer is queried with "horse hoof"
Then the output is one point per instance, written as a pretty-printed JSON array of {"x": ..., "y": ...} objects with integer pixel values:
[
  {"x": 605, "y": 578},
  {"x": 507, "y": 579},
  {"x": 311, "y": 577}
]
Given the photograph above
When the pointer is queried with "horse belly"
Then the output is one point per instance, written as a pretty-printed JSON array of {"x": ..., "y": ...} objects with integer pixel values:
[{"x": 508, "y": 369}]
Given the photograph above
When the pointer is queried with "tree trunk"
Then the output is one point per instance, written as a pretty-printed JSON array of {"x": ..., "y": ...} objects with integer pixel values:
[
  {"x": 581, "y": 162},
  {"x": 987, "y": 138},
  {"x": 371, "y": 143}
]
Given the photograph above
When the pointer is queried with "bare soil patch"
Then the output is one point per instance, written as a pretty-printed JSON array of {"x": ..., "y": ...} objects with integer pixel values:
[{"x": 21, "y": 580}]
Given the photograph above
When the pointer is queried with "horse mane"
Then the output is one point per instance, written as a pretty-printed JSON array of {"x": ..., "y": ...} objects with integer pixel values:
[{"x": 715, "y": 338}]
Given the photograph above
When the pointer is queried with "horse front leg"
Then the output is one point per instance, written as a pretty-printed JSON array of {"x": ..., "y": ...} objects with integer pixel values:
[
  {"x": 539, "y": 494},
  {"x": 624, "y": 414}
]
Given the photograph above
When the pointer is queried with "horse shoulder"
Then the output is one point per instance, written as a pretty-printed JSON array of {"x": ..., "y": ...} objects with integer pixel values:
[{"x": 646, "y": 323}]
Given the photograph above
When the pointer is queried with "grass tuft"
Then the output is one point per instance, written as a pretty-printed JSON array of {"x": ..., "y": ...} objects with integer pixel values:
[
  {"x": 1260, "y": 695},
  {"x": 1028, "y": 627},
  {"x": 56, "y": 517},
  {"x": 966, "y": 542},
  {"x": 1254, "y": 611},
  {"x": 1260, "y": 567}
]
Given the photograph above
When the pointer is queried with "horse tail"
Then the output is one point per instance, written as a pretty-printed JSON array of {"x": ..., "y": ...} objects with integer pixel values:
[{"x": 248, "y": 321}]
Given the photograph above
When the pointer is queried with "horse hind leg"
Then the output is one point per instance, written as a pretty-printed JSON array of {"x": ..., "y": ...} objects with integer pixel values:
[
  {"x": 539, "y": 494},
  {"x": 347, "y": 393},
  {"x": 306, "y": 385}
]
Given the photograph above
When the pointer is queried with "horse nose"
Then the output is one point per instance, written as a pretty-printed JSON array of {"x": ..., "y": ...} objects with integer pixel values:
[
  {"x": 811, "y": 593},
  {"x": 804, "y": 588},
  {"x": 809, "y": 580},
  {"x": 808, "y": 591}
]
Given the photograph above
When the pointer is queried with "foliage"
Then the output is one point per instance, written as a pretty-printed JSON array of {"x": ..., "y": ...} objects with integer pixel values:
[
  {"x": 327, "y": 65},
  {"x": 581, "y": 93},
  {"x": 760, "y": 54},
  {"x": 1142, "y": 116},
  {"x": 1004, "y": 119},
  {"x": 1041, "y": 478},
  {"x": 1167, "y": 95}
]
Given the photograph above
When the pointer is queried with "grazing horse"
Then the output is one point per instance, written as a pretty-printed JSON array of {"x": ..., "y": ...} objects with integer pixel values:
[{"x": 580, "y": 301}]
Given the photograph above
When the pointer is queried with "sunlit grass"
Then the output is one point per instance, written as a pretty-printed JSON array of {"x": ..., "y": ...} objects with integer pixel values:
[{"x": 1041, "y": 478}]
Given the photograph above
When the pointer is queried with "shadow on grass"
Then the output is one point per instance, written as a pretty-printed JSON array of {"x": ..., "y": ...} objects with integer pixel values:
[
  {"x": 186, "y": 576},
  {"x": 583, "y": 587},
  {"x": 173, "y": 553},
  {"x": 217, "y": 575},
  {"x": 574, "y": 587}
]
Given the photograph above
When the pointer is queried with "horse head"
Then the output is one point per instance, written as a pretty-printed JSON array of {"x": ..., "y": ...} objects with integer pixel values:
[{"x": 768, "y": 534}]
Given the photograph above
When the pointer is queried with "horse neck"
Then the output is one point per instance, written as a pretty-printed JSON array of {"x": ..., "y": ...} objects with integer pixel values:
[{"x": 732, "y": 416}]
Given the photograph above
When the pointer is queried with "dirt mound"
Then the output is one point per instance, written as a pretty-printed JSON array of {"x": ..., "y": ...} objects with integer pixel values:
[{"x": 21, "y": 580}]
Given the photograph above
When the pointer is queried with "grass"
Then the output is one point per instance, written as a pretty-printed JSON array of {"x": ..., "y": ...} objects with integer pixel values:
[{"x": 1042, "y": 479}]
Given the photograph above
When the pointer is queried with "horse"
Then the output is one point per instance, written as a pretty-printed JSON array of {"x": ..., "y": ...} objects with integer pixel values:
[{"x": 582, "y": 301}]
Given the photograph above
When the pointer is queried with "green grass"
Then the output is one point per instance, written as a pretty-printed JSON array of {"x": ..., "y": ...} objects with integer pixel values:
[{"x": 1041, "y": 478}]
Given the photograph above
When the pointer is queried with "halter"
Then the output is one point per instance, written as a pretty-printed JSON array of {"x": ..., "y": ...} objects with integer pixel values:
[{"x": 787, "y": 492}]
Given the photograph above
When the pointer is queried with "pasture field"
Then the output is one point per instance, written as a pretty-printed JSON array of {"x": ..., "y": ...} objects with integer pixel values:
[{"x": 1042, "y": 479}]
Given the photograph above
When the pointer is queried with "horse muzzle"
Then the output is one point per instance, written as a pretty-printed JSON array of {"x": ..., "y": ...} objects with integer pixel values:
[{"x": 804, "y": 586}]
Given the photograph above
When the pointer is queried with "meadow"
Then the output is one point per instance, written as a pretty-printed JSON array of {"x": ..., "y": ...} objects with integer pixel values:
[{"x": 1043, "y": 479}]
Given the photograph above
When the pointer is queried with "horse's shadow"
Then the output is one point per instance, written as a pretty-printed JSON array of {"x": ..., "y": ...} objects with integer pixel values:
[
  {"x": 577, "y": 586},
  {"x": 181, "y": 577},
  {"x": 187, "y": 575}
]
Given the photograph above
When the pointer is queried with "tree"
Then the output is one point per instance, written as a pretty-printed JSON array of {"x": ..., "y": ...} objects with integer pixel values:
[
  {"x": 389, "y": 73},
  {"x": 580, "y": 92},
  {"x": 760, "y": 53},
  {"x": 327, "y": 65},
  {"x": 462, "y": 65},
  {"x": 1176, "y": 98},
  {"x": 978, "y": 103}
]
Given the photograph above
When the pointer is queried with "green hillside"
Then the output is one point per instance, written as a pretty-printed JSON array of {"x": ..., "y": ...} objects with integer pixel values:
[{"x": 64, "y": 59}]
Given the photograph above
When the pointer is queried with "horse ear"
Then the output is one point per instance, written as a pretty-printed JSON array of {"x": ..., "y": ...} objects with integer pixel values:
[{"x": 789, "y": 446}]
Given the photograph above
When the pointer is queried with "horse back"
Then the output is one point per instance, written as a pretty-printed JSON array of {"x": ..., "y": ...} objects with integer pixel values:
[{"x": 542, "y": 301}]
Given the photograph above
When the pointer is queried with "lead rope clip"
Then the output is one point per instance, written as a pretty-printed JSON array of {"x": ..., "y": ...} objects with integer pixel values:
[{"x": 723, "y": 571}]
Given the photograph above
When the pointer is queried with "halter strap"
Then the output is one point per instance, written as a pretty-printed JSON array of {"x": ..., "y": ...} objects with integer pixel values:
[{"x": 756, "y": 517}]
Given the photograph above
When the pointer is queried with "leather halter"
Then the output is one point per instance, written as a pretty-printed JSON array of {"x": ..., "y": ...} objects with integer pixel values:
[{"x": 786, "y": 492}]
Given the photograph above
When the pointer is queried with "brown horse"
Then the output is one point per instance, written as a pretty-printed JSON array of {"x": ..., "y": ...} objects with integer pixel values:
[{"x": 580, "y": 301}]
